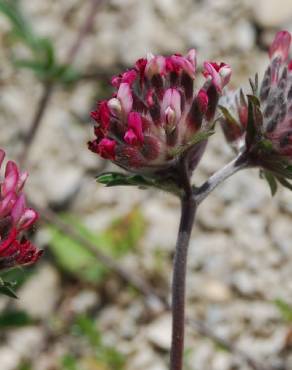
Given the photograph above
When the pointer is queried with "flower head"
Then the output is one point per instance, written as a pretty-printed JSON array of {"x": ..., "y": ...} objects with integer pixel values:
[
  {"x": 156, "y": 115},
  {"x": 220, "y": 73},
  {"x": 261, "y": 123},
  {"x": 15, "y": 218},
  {"x": 276, "y": 96}
]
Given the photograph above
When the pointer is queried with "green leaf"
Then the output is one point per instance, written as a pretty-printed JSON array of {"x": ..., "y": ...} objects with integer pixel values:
[
  {"x": 18, "y": 275},
  {"x": 47, "y": 47},
  {"x": 105, "y": 356},
  {"x": 227, "y": 115},
  {"x": 25, "y": 366},
  {"x": 74, "y": 259},
  {"x": 14, "y": 318},
  {"x": 231, "y": 128},
  {"x": 69, "y": 75},
  {"x": 254, "y": 85},
  {"x": 69, "y": 363},
  {"x": 253, "y": 114},
  {"x": 197, "y": 138},
  {"x": 266, "y": 145},
  {"x": 285, "y": 309},
  {"x": 85, "y": 326},
  {"x": 124, "y": 233},
  {"x": 7, "y": 288},
  {"x": 20, "y": 27},
  {"x": 284, "y": 182},
  {"x": 38, "y": 67},
  {"x": 115, "y": 241},
  {"x": 117, "y": 179},
  {"x": 269, "y": 177},
  {"x": 43, "y": 59}
]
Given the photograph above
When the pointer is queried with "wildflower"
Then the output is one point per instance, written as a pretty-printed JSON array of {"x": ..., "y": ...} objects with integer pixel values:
[
  {"x": 261, "y": 123},
  {"x": 155, "y": 115},
  {"x": 15, "y": 218}
]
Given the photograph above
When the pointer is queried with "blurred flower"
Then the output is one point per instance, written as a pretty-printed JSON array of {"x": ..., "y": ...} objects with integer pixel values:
[
  {"x": 155, "y": 116},
  {"x": 15, "y": 218},
  {"x": 261, "y": 123}
]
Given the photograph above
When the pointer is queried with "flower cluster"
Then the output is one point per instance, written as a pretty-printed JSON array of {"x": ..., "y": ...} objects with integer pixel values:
[
  {"x": 15, "y": 218},
  {"x": 262, "y": 122},
  {"x": 276, "y": 96},
  {"x": 156, "y": 115}
]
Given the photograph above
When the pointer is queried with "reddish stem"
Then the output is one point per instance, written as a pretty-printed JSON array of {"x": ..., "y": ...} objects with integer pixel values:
[{"x": 188, "y": 210}]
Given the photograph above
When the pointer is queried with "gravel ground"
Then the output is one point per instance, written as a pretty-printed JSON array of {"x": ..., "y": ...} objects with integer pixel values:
[{"x": 240, "y": 258}]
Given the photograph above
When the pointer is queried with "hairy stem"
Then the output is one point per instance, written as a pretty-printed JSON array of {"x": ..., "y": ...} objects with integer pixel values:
[
  {"x": 188, "y": 209},
  {"x": 240, "y": 162},
  {"x": 189, "y": 204}
]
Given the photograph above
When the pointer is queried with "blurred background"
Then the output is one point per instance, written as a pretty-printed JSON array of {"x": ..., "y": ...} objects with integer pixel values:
[{"x": 92, "y": 303}]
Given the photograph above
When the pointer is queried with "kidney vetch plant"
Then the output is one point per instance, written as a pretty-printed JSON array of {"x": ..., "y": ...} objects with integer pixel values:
[{"x": 156, "y": 127}]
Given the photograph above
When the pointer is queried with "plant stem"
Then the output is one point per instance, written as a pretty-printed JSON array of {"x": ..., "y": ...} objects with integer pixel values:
[
  {"x": 189, "y": 204},
  {"x": 238, "y": 163},
  {"x": 188, "y": 209}
]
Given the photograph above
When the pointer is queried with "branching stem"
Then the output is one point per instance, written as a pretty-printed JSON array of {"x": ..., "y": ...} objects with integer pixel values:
[
  {"x": 238, "y": 163},
  {"x": 189, "y": 204}
]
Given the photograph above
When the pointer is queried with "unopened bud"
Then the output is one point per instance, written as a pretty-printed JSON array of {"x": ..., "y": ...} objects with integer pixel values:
[
  {"x": 154, "y": 66},
  {"x": 203, "y": 100},
  {"x": 225, "y": 74},
  {"x": 170, "y": 116},
  {"x": 280, "y": 46},
  {"x": 115, "y": 107}
]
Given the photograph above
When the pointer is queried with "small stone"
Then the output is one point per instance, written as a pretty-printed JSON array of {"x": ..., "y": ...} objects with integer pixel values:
[
  {"x": 63, "y": 184},
  {"x": 272, "y": 13},
  {"x": 263, "y": 346},
  {"x": 244, "y": 35},
  {"x": 146, "y": 359},
  {"x": 216, "y": 291},
  {"x": 39, "y": 295},
  {"x": 159, "y": 332},
  {"x": 84, "y": 301},
  {"x": 244, "y": 283},
  {"x": 27, "y": 342},
  {"x": 281, "y": 233},
  {"x": 222, "y": 361},
  {"x": 9, "y": 358},
  {"x": 163, "y": 224}
]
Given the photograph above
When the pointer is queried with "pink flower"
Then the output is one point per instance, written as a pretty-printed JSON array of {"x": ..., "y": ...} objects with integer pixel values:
[
  {"x": 280, "y": 46},
  {"x": 15, "y": 218},
  {"x": 156, "y": 113},
  {"x": 106, "y": 148},
  {"x": 220, "y": 74}
]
